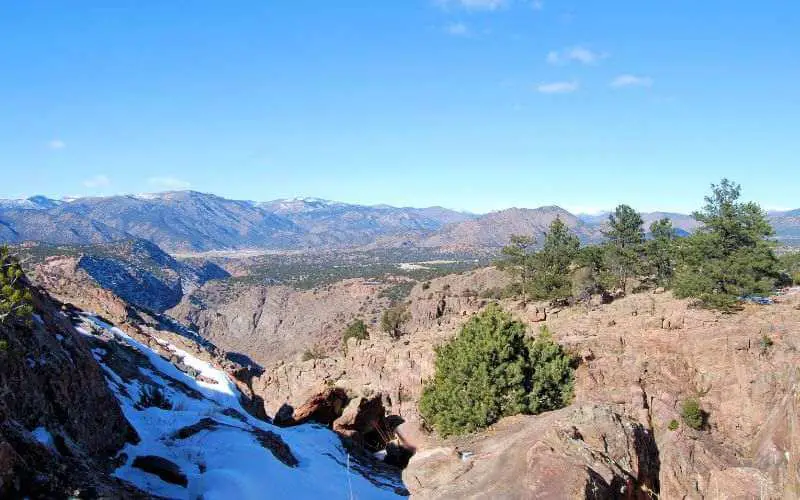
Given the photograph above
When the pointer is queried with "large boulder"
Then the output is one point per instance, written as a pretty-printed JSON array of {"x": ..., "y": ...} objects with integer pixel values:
[
  {"x": 324, "y": 408},
  {"x": 364, "y": 422},
  {"x": 577, "y": 452}
]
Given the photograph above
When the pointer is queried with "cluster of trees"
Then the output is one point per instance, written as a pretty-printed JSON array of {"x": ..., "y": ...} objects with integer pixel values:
[
  {"x": 790, "y": 264},
  {"x": 491, "y": 370},
  {"x": 728, "y": 257},
  {"x": 15, "y": 297}
]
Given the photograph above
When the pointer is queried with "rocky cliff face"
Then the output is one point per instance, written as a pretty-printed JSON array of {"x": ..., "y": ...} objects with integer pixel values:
[
  {"x": 144, "y": 275},
  {"x": 59, "y": 423},
  {"x": 395, "y": 368},
  {"x": 276, "y": 323},
  {"x": 198, "y": 428},
  {"x": 641, "y": 357}
]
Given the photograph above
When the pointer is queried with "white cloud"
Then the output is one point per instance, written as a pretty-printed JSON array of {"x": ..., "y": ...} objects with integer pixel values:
[
  {"x": 558, "y": 87},
  {"x": 631, "y": 81},
  {"x": 457, "y": 29},
  {"x": 537, "y": 5},
  {"x": 575, "y": 54},
  {"x": 56, "y": 144},
  {"x": 98, "y": 181},
  {"x": 169, "y": 183},
  {"x": 473, "y": 4}
]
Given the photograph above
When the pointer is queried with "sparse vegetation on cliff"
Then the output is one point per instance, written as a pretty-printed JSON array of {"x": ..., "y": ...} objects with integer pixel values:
[
  {"x": 491, "y": 370},
  {"x": 15, "y": 298},
  {"x": 357, "y": 329},
  {"x": 393, "y": 320},
  {"x": 692, "y": 414}
]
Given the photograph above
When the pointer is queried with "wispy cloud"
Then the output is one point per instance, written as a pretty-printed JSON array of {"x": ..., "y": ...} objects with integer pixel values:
[
  {"x": 558, "y": 87},
  {"x": 98, "y": 181},
  {"x": 473, "y": 4},
  {"x": 56, "y": 144},
  {"x": 631, "y": 81},
  {"x": 457, "y": 29},
  {"x": 169, "y": 183},
  {"x": 537, "y": 5},
  {"x": 575, "y": 54}
]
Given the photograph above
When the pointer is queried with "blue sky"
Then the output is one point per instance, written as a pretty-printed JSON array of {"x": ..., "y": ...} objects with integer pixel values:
[{"x": 469, "y": 104}]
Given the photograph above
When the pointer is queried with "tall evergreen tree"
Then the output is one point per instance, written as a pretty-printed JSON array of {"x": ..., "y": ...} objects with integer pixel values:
[
  {"x": 551, "y": 276},
  {"x": 517, "y": 259},
  {"x": 660, "y": 250},
  {"x": 730, "y": 255},
  {"x": 625, "y": 235}
]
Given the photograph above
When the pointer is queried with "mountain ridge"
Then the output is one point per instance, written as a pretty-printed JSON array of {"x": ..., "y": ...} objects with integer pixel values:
[{"x": 191, "y": 221}]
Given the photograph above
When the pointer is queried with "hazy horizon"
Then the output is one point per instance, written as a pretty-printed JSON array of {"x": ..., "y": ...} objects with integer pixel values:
[{"x": 601, "y": 211}]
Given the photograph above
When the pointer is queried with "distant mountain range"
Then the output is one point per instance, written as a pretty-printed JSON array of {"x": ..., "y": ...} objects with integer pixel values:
[{"x": 188, "y": 221}]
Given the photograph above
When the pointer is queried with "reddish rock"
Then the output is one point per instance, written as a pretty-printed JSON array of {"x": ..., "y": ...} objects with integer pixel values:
[
  {"x": 49, "y": 379},
  {"x": 323, "y": 408},
  {"x": 364, "y": 422},
  {"x": 584, "y": 452}
]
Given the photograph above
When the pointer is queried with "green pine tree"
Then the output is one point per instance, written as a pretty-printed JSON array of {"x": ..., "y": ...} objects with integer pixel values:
[
  {"x": 625, "y": 235},
  {"x": 551, "y": 276},
  {"x": 15, "y": 297},
  {"x": 491, "y": 370},
  {"x": 517, "y": 260},
  {"x": 731, "y": 255},
  {"x": 660, "y": 251}
]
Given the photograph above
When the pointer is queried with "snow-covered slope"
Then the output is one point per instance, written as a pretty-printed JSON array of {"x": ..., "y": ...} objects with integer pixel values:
[{"x": 196, "y": 422}]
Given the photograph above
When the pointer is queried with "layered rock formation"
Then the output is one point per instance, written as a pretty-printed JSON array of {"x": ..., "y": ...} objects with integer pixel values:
[{"x": 277, "y": 323}]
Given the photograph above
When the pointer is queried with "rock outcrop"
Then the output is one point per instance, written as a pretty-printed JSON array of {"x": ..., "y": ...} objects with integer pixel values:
[
  {"x": 577, "y": 452},
  {"x": 643, "y": 354},
  {"x": 379, "y": 364},
  {"x": 60, "y": 426},
  {"x": 323, "y": 408},
  {"x": 67, "y": 282}
]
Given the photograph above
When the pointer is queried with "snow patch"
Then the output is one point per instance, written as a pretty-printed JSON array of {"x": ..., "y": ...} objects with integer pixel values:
[
  {"x": 225, "y": 460},
  {"x": 44, "y": 437}
]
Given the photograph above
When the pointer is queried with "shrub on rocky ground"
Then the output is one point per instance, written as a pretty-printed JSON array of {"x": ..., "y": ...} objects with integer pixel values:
[
  {"x": 315, "y": 352},
  {"x": 692, "y": 414},
  {"x": 491, "y": 370},
  {"x": 357, "y": 329}
]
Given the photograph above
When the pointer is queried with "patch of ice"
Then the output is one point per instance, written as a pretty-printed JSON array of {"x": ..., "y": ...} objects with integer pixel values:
[{"x": 44, "y": 437}]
